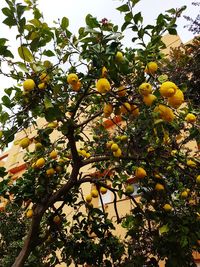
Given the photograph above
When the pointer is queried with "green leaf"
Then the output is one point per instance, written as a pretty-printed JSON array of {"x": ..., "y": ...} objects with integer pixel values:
[
  {"x": 47, "y": 103},
  {"x": 6, "y": 101},
  {"x": 91, "y": 21},
  {"x": 163, "y": 229},
  {"x": 123, "y": 8},
  {"x": 172, "y": 31},
  {"x": 10, "y": 21},
  {"x": 25, "y": 54},
  {"x": 7, "y": 12},
  {"x": 2, "y": 172},
  {"x": 138, "y": 18},
  {"x": 35, "y": 22},
  {"x": 22, "y": 66},
  {"x": 64, "y": 23},
  {"x": 3, "y": 41},
  {"x": 48, "y": 53}
]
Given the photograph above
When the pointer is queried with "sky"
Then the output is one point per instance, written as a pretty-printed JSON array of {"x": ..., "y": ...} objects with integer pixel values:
[{"x": 76, "y": 10}]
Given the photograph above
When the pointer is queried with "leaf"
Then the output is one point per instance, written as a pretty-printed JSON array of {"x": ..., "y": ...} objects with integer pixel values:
[
  {"x": 25, "y": 54},
  {"x": 7, "y": 12},
  {"x": 123, "y": 8},
  {"x": 48, "y": 53},
  {"x": 172, "y": 31},
  {"x": 163, "y": 229},
  {"x": 2, "y": 172},
  {"x": 6, "y": 101},
  {"x": 22, "y": 66},
  {"x": 138, "y": 17},
  {"x": 10, "y": 21},
  {"x": 64, "y": 23},
  {"x": 47, "y": 103},
  {"x": 3, "y": 41},
  {"x": 91, "y": 21}
]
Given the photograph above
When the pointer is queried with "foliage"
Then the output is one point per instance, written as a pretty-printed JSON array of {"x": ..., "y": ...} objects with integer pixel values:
[{"x": 115, "y": 113}]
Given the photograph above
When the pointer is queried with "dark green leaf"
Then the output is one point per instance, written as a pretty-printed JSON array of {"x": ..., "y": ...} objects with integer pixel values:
[
  {"x": 172, "y": 31},
  {"x": 48, "y": 53},
  {"x": 91, "y": 21},
  {"x": 64, "y": 23},
  {"x": 123, "y": 8},
  {"x": 6, "y": 101}
]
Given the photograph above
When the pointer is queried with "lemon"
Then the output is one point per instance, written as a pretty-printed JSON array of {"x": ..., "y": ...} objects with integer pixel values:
[
  {"x": 129, "y": 189},
  {"x": 125, "y": 108},
  {"x": 135, "y": 110},
  {"x": 119, "y": 57},
  {"x": 38, "y": 146},
  {"x": 149, "y": 99},
  {"x": 114, "y": 147},
  {"x": 167, "y": 207},
  {"x": 50, "y": 172},
  {"x": 198, "y": 179},
  {"x": 177, "y": 99},
  {"x": 145, "y": 89},
  {"x": 159, "y": 187},
  {"x": 52, "y": 124},
  {"x": 103, "y": 190},
  {"x": 140, "y": 173},
  {"x": 42, "y": 86},
  {"x": 40, "y": 163},
  {"x": 103, "y": 85},
  {"x": 28, "y": 85},
  {"x": 53, "y": 154},
  {"x": 151, "y": 67},
  {"x": 29, "y": 213},
  {"x": 190, "y": 118},
  {"x": 184, "y": 194},
  {"x": 168, "y": 89},
  {"x": 191, "y": 163},
  {"x": 25, "y": 142},
  {"x": 121, "y": 91},
  {"x": 165, "y": 113},
  {"x": 107, "y": 110},
  {"x": 109, "y": 144},
  {"x": 72, "y": 78},
  {"x": 88, "y": 198},
  {"x": 76, "y": 86},
  {"x": 94, "y": 193},
  {"x": 44, "y": 78},
  {"x": 104, "y": 72},
  {"x": 117, "y": 153}
]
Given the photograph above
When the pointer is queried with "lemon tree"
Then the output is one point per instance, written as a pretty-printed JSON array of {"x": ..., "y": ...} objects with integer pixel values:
[{"x": 118, "y": 113}]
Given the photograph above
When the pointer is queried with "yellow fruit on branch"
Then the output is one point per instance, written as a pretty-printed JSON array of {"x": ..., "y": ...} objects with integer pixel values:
[
  {"x": 159, "y": 187},
  {"x": 190, "y": 118},
  {"x": 145, "y": 89},
  {"x": 119, "y": 57},
  {"x": 28, "y": 85},
  {"x": 168, "y": 89},
  {"x": 107, "y": 110},
  {"x": 76, "y": 86},
  {"x": 104, "y": 72},
  {"x": 103, "y": 190},
  {"x": 29, "y": 213},
  {"x": 117, "y": 153},
  {"x": 165, "y": 113},
  {"x": 72, "y": 78},
  {"x": 191, "y": 163},
  {"x": 114, "y": 147},
  {"x": 184, "y": 194},
  {"x": 42, "y": 86},
  {"x": 38, "y": 146},
  {"x": 50, "y": 172},
  {"x": 94, "y": 193},
  {"x": 121, "y": 91},
  {"x": 52, "y": 124},
  {"x": 149, "y": 99},
  {"x": 109, "y": 144},
  {"x": 151, "y": 67},
  {"x": 40, "y": 163},
  {"x": 25, "y": 142},
  {"x": 57, "y": 219},
  {"x": 135, "y": 110},
  {"x": 167, "y": 207},
  {"x": 88, "y": 198},
  {"x": 44, "y": 78},
  {"x": 177, "y": 99},
  {"x": 129, "y": 189},
  {"x": 125, "y": 108},
  {"x": 53, "y": 154},
  {"x": 103, "y": 85},
  {"x": 140, "y": 173}
]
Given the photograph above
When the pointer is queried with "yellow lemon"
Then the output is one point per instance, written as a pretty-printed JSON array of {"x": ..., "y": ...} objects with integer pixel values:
[
  {"x": 42, "y": 86},
  {"x": 109, "y": 144},
  {"x": 28, "y": 85},
  {"x": 104, "y": 72},
  {"x": 129, "y": 189},
  {"x": 103, "y": 190},
  {"x": 167, "y": 207},
  {"x": 72, "y": 78},
  {"x": 53, "y": 154},
  {"x": 38, "y": 146},
  {"x": 119, "y": 57},
  {"x": 165, "y": 113},
  {"x": 177, "y": 99},
  {"x": 44, "y": 78},
  {"x": 107, "y": 110},
  {"x": 135, "y": 110},
  {"x": 52, "y": 124},
  {"x": 94, "y": 193},
  {"x": 125, "y": 108},
  {"x": 76, "y": 86},
  {"x": 151, "y": 67},
  {"x": 40, "y": 163},
  {"x": 103, "y": 85},
  {"x": 191, "y": 163},
  {"x": 145, "y": 89},
  {"x": 159, "y": 187},
  {"x": 184, "y": 194},
  {"x": 114, "y": 147},
  {"x": 25, "y": 142},
  {"x": 198, "y": 179},
  {"x": 117, "y": 153},
  {"x": 140, "y": 173},
  {"x": 191, "y": 118},
  {"x": 121, "y": 91},
  {"x": 149, "y": 99},
  {"x": 168, "y": 89},
  {"x": 88, "y": 198},
  {"x": 50, "y": 172},
  {"x": 29, "y": 213}
]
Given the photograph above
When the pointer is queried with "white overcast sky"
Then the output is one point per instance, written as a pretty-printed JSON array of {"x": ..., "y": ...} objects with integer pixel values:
[{"x": 76, "y": 10}]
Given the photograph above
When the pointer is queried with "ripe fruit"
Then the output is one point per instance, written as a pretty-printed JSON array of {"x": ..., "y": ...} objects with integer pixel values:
[
  {"x": 52, "y": 124},
  {"x": 107, "y": 110},
  {"x": 125, "y": 108},
  {"x": 159, "y": 187},
  {"x": 114, "y": 147},
  {"x": 103, "y": 85},
  {"x": 88, "y": 198},
  {"x": 167, "y": 207},
  {"x": 104, "y": 72},
  {"x": 72, "y": 78},
  {"x": 53, "y": 154},
  {"x": 28, "y": 85},
  {"x": 151, "y": 67},
  {"x": 184, "y": 194},
  {"x": 198, "y": 179},
  {"x": 145, "y": 89},
  {"x": 168, "y": 89},
  {"x": 129, "y": 189},
  {"x": 109, "y": 144},
  {"x": 42, "y": 86},
  {"x": 57, "y": 219},
  {"x": 135, "y": 111},
  {"x": 124, "y": 138},
  {"x": 103, "y": 190},
  {"x": 40, "y": 163},
  {"x": 44, "y": 78},
  {"x": 191, "y": 163},
  {"x": 149, "y": 99},
  {"x": 191, "y": 118},
  {"x": 165, "y": 113},
  {"x": 119, "y": 57},
  {"x": 76, "y": 86},
  {"x": 29, "y": 213},
  {"x": 121, "y": 91},
  {"x": 177, "y": 99},
  {"x": 140, "y": 173},
  {"x": 117, "y": 153},
  {"x": 25, "y": 142},
  {"x": 50, "y": 172},
  {"x": 94, "y": 193},
  {"x": 38, "y": 146}
]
